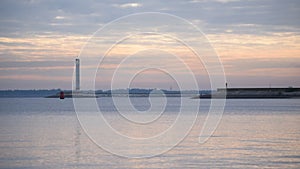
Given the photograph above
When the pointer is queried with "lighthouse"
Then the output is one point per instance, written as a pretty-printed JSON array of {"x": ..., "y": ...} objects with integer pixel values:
[{"x": 77, "y": 62}]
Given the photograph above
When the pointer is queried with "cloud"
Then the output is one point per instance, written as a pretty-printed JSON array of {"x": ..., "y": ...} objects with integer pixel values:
[
  {"x": 128, "y": 5},
  {"x": 226, "y": 1},
  {"x": 221, "y": 1},
  {"x": 251, "y": 36},
  {"x": 60, "y": 17}
]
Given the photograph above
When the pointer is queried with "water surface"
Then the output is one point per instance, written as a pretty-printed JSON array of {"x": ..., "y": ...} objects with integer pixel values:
[{"x": 45, "y": 133}]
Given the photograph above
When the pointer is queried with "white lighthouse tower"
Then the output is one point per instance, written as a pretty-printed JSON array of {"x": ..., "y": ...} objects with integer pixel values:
[{"x": 77, "y": 62}]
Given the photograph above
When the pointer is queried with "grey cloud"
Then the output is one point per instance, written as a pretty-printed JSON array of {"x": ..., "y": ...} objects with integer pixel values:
[
  {"x": 252, "y": 64},
  {"x": 85, "y": 16},
  {"x": 30, "y": 64},
  {"x": 35, "y": 17}
]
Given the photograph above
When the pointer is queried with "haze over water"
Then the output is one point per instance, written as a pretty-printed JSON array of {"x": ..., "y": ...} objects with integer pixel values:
[{"x": 45, "y": 133}]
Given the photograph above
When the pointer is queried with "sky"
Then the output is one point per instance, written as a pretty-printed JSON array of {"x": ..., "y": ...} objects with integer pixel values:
[{"x": 257, "y": 42}]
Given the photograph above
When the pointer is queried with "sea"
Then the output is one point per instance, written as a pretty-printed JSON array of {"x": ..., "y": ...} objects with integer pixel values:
[{"x": 46, "y": 133}]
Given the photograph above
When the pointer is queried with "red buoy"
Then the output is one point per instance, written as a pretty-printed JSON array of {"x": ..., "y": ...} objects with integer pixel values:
[{"x": 62, "y": 95}]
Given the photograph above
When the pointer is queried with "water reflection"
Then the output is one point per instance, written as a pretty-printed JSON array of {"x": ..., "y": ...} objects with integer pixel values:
[{"x": 77, "y": 142}]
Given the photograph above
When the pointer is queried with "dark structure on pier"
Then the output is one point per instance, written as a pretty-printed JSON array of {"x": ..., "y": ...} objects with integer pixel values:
[{"x": 254, "y": 93}]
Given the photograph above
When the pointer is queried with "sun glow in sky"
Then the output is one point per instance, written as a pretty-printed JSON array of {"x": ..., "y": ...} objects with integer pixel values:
[{"x": 258, "y": 41}]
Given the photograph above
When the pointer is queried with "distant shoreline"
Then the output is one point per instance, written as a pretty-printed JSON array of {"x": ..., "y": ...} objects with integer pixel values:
[{"x": 221, "y": 93}]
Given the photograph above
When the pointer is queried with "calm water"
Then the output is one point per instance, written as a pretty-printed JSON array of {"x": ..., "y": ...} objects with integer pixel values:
[{"x": 45, "y": 133}]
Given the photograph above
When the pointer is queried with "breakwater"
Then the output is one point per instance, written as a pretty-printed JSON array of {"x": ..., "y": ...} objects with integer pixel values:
[{"x": 253, "y": 93}]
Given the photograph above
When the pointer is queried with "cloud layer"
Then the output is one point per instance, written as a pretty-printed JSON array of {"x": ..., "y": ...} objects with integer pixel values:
[{"x": 258, "y": 41}]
